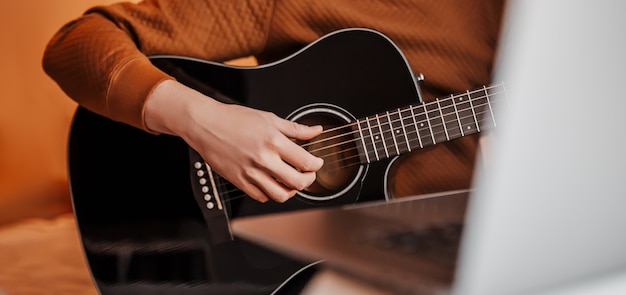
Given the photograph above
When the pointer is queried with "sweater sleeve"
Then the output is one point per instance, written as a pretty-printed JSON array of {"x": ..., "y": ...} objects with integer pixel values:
[{"x": 101, "y": 61}]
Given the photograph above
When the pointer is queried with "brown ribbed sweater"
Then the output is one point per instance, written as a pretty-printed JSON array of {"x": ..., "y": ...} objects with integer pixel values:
[{"x": 100, "y": 60}]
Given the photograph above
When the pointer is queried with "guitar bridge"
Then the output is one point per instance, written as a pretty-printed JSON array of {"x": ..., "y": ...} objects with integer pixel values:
[{"x": 209, "y": 199}]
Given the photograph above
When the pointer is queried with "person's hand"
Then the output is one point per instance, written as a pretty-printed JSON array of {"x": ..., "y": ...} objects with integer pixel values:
[{"x": 252, "y": 149}]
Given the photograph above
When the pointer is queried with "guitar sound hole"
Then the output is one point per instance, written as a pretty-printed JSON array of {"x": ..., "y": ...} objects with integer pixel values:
[{"x": 337, "y": 147}]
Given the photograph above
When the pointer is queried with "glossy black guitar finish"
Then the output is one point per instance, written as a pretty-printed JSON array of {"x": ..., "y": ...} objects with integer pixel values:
[{"x": 154, "y": 218}]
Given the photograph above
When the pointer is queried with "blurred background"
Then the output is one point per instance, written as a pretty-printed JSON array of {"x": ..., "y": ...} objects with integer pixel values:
[
  {"x": 39, "y": 248},
  {"x": 34, "y": 113}
]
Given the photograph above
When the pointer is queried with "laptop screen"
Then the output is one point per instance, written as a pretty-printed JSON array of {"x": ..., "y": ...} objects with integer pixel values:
[{"x": 548, "y": 210}]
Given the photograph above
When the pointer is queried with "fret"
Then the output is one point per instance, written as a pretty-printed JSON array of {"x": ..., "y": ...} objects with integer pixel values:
[
  {"x": 490, "y": 108},
  {"x": 482, "y": 105},
  {"x": 394, "y": 134},
  {"x": 400, "y": 127},
  {"x": 363, "y": 139},
  {"x": 456, "y": 111},
  {"x": 496, "y": 93},
  {"x": 381, "y": 135},
  {"x": 427, "y": 122},
  {"x": 389, "y": 132},
  {"x": 449, "y": 119},
  {"x": 481, "y": 108},
  {"x": 471, "y": 102},
  {"x": 443, "y": 121},
  {"x": 468, "y": 123},
  {"x": 368, "y": 136},
  {"x": 485, "y": 109},
  {"x": 373, "y": 138},
  {"x": 414, "y": 125}
]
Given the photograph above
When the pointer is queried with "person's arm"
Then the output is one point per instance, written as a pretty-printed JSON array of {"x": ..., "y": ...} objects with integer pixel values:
[{"x": 100, "y": 60}]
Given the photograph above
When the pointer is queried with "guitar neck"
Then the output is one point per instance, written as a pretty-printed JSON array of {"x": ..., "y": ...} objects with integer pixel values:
[{"x": 396, "y": 132}]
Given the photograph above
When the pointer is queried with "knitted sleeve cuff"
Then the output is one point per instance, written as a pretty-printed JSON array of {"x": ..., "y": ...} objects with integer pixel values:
[{"x": 131, "y": 85}]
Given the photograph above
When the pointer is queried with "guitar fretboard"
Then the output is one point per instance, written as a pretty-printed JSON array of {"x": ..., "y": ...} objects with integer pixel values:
[{"x": 396, "y": 132}]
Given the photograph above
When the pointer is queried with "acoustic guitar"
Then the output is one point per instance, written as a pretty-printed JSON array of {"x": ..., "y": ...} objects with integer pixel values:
[{"x": 154, "y": 218}]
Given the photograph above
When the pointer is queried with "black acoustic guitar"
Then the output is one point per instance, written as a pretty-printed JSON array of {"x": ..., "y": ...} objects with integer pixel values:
[{"x": 154, "y": 218}]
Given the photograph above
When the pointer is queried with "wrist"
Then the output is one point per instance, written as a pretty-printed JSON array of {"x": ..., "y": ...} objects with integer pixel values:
[{"x": 172, "y": 107}]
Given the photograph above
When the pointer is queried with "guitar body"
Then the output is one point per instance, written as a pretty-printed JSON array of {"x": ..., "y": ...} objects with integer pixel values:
[{"x": 153, "y": 217}]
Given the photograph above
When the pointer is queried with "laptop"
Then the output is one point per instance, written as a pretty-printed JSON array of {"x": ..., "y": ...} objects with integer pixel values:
[{"x": 547, "y": 211}]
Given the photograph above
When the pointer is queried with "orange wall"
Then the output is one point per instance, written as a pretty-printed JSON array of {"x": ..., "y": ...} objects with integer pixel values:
[{"x": 34, "y": 113}]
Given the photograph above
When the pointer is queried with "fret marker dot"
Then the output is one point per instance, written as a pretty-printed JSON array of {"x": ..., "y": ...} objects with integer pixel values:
[
  {"x": 398, "y": 131},
  {"x": 377, "y": 137},
  {"x": 422, "y": 125},
  {"x": 469, "y": 127}
]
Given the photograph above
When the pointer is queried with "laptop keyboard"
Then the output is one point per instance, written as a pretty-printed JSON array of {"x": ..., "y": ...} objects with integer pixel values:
[{"x": 441, "y": 242}]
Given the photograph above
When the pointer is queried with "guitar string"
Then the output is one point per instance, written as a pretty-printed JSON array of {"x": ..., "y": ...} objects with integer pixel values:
[
  {"x": 417, "y": 130},
  {"x": 445, "y": 99},
  {"x": 429, "y": 104},
  {"x": 357, "y": 156},
  {"x": 242, "y": 195}
]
